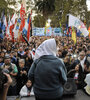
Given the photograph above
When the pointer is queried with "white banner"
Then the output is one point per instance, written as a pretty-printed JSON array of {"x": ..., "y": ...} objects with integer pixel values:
[
  {"x": 49, "y": 31},
  {"x": 74, "y": 21}
]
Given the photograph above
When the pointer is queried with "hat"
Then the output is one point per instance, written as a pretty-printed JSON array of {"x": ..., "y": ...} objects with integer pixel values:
[
  {"x": 87, "y": 80},
  {"x": 7, "y": 56}
]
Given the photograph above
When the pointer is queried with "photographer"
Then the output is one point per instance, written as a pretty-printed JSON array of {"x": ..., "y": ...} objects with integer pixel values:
[
  {"x": 3, "y": 94},
  {"x": 11, "y": 69}
]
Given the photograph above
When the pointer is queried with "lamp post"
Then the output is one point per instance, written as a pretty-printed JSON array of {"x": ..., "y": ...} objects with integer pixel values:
[
  {"x": 49, "y": 21},
  {"x": 47, "y": 24}
]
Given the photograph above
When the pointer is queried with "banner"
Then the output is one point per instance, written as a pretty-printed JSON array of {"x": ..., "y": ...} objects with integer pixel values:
[
  {"x": 38, "y": 31},
  {"x": 74, "y": 21},
  {"x": 49, "y": 31},
  {"x": 57, "y": 32}
]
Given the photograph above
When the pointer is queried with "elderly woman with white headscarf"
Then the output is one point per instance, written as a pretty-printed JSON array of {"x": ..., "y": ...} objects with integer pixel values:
[{"x": 47, "y": 73}]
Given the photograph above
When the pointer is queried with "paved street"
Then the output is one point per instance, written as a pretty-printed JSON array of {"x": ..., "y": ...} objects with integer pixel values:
[{"x": 79, "y": 96}]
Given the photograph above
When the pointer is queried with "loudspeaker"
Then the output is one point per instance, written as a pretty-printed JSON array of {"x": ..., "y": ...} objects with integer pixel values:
[{"x": 70, "y": 88}]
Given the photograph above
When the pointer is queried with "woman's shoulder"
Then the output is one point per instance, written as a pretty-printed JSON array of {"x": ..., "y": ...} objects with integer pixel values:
[{"x": 24, "y": 87}]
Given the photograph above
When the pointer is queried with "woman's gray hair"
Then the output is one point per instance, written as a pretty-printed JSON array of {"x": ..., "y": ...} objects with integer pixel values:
[{"x": 22, "y": 60}]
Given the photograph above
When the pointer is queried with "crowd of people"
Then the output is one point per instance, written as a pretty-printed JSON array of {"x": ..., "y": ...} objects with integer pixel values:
[{"x": 17, "y": 57}]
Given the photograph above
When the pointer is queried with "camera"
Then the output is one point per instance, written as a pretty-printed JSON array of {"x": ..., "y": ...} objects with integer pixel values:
[{"x": 3, "y": 80}]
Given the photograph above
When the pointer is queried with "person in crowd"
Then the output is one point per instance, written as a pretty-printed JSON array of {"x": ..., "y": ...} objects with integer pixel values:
[
  {"x": 80, "y": 59},
  {"x": 21, "y": 52},
  {"x": 3, "y": 94},
  {"x": 87, "y": 65},
  {"x": 28, "y": 58},
  {"x": 83, "y": 70},
  {"x": 67, "y": 61},
  {"x": 22, "y": 75},
  {"x": 9, "y": 49},
  {"x": 13, "y": 58},
  {"x": 47, "y": 73},
  {"x": 59, "y": 53},
  {"x": 2, "y": 54},
  {"x": 11, "y": 69},
  {"x": 74, "y": 73},
  {"x": 26, "y": 89},
  {"x": 1, "y": 61}
]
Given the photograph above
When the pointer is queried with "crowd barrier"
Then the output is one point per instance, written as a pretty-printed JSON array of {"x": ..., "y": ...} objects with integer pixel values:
[
  {"x": 11, "y": 97},
  {"x": 20, "y": 98}
]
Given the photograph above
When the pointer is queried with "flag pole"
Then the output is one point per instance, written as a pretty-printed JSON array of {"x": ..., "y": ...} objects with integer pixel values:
[{"x": 24, "y": 4}]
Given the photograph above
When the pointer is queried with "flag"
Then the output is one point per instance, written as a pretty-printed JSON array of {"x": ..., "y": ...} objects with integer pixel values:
[
  {"x": 74, "y": 21},
  {"x": 22, "y": 16},
  {"x": 67, "y": 30},
  {"x": 78, "y": 33},
  {"x": 8, "y": 31},
  {"x": 24, "y": 4},
  {"x": 16, "y": 28},
  {"x": 29, "y": 28},
  {"x": 0, "y": 23},
  {"x": 89, "y": 31},
  {"x": 3, "y": 22},
  {"x": 12, "y": 24},
  {"x": 4, "y": 27},
  {"x": 25, "y": 29},
  {"x": 74, "y": 35},
  {"x": 1, "y": 35}
]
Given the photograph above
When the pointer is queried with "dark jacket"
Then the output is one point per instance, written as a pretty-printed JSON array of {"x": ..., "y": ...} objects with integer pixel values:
[
  {"x": 49, "y": 75},
  {"x": 21, "y": 79}
]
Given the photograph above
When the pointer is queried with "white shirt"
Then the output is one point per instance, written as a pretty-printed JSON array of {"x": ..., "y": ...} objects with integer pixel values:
[{"x": 24, "y": 91}]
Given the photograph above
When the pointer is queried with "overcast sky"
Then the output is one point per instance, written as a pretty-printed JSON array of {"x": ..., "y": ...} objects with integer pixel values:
[{"x": 88, "y": 4}]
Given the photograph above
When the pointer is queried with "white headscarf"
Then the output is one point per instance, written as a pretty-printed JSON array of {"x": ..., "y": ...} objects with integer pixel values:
[
  {"x": 87, "y": 87},
  {"x": 87, "y": 79},
  {"x": 48, "y": 47}
]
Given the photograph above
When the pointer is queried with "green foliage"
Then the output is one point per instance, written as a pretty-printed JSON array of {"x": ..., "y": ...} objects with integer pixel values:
[
  {"x": 64, "y": 7},
  {"x": 39, "y": 21},
  {"x": 57, "y": 10},
  {"x": 4, "y": 4},
  {"x": 11, "y": 2},
  {"x": 46, "y": 7},
  {"x": 88, "y": 19}
]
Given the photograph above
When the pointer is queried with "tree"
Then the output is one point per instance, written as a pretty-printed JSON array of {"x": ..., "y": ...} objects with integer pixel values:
[
  {"x": 77, "y": 8},
  {"x": 5, "y": 4},
  {"x": 39, "y": 21},
  {"x": 57, "y": 15},
  {"x": 57, "y": 10},
  {"x": 46, "y": 7},
  {"x": 88, "y": 18}
]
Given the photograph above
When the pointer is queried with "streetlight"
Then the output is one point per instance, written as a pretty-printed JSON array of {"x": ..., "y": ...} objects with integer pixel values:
[{"x": 49, "y": 20}]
